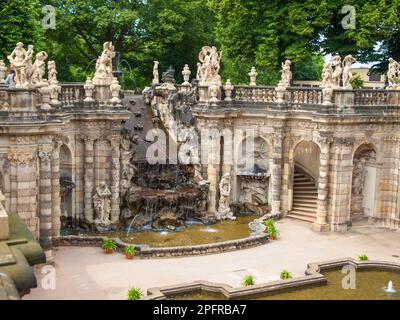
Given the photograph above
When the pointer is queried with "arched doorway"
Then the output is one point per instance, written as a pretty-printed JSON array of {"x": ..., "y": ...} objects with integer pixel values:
[
  {"x": 253, "y": 172},
  {"x": 66, "y": 184},
  {"x": 363, "y": 185},
  {"x": 305, "y": 169}
]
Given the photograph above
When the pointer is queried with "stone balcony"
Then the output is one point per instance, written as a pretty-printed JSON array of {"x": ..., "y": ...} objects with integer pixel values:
[{"x": 302, "y": 99}]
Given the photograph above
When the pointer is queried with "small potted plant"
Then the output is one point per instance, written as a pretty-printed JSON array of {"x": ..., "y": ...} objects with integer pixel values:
[
  {"x": 109, "y": 246},
  {"x": 248, "y": 280},
  {"x": 285, "y": 275},
  {"x": 363, "y": 257},
  {"x": 271, "y": 229},
  {"x": 134, "y": 294},
  {"x": 129, "y": 252}
]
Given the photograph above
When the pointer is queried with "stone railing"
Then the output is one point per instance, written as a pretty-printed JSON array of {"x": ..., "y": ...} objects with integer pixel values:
[
  {"x": 311, "y": 96},
  {"x": 254, "y": 93},
  {"x": 72, "y": 94},
  {"x": 373, "y": 97}
]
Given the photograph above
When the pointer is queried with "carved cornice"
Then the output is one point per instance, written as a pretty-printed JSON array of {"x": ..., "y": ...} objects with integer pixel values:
[{"x": 22, "y": 156}]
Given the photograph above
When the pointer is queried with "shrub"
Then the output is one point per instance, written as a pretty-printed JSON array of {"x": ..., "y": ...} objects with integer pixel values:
[
  {"x": 356, "y": 82},
  {"x": 134, "y": 294},
  {"x": 130, "y": 251},
  {"x": 363, "y": 257},
  {"x": 248, "y": 280},
  {"x": 286, "y": 275},
  {"x": 270, "y": 228},
  {"x": 109, "y": 245}
]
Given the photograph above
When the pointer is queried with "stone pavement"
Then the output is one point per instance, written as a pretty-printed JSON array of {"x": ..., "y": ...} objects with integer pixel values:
[{"x": 87, "y": 273}]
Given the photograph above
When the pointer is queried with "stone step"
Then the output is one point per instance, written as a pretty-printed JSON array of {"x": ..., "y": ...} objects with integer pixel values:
[
  {"x": 306, "y": 188},
  {"x": 301, "y": 217},
  {"x": 305, "y": 183},
  {"x": 305, "y": 193},
  {"x": 309, "y": 200},
  {"x": 302, "y": 204},
  {"x": 311, "y": 212}
]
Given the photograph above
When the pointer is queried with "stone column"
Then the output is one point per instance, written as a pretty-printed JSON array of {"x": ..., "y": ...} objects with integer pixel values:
[
  {"x": 89, "y": 179},
  {"x": 55, "y": 186},
  {"x": 45, "y": 203},
  {"x": 115, "y": 177},
  {"x": 341, "y": 170},
  {"x": 212, "y": 178},
  {"x": 276, "y": 175},
  {"x": 322, "y": 203}
]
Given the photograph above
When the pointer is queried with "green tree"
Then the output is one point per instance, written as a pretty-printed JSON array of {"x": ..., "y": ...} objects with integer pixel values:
[
  {"x": 142, "y": 31},
  {"x": 19, "y": 21}
]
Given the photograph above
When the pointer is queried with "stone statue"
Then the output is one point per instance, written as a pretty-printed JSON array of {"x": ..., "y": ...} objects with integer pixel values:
[
  {"x": 3, "y": 70},
  {"x": 208, "y": 71},
  {"x": 336, "y": 63},
  {"x": 156, "y": 77},
  {"x": 169, "y": 76},
  {"x": 253, "y": 76},
  {"x": 103, "y": 74},
  {"x": 286, "y": 77},
  {"x": 359, "y": 175},
  {"x": 115, "y": 91},
  {"x": 102, "y": 204},
  {"x": 347, "y": 74},
  {"x": 127, "y": 145},
  {"x": 393, "y": 73},
  {"x": 52, "y": 72},
  {"x": 186, "y": 75},
  {"x": 21, "y": 61},
  {"x": 327, "y": 75},
  {"x": 224, "y": 210},
  {"x": 39, "y": 68},
  {"x": 198, "y": 75}
]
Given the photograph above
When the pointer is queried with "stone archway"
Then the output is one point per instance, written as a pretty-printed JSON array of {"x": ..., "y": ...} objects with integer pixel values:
[
  {"x": 305, "y": 162},
  {"x": 254, "y": 190},
  {"x": 66, "y": 184},
  {"x": 363, "y": 185}
]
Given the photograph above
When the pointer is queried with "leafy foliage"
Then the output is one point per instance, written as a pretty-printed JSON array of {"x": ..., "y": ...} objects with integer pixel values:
[
  {"x": 248, "y": 280},
  {"x": 134, "y": 294},
  {"x": 130, "y": 251},
  {"x": 109, "y": 245},
  {"x": 357, "y": 82},
  {"x": 271, "y": 228},
  {"x": 19, "y": 21},
  {"x": 363, "y": 257},
  {"x": 285, "y": 275}
]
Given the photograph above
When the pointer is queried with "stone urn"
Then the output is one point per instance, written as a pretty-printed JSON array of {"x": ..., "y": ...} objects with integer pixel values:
[
  {"x": 253, "y": 76},
  {"x": 186, "y": 75},
  {"x": 89, "y": 88},
  {"x": 46, "y": 98},
  {"x": 280, "y": 94},
  {"x": 115, "y": 89},
  {"x": 213, "y": 90},
  {"x": 228, "y": 88},
  {"x": 327, "y": 93},
  {"x": 55, "y": 91}
]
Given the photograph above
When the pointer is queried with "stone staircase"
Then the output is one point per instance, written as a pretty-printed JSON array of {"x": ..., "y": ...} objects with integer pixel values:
[{"x": 305, "y": 194}]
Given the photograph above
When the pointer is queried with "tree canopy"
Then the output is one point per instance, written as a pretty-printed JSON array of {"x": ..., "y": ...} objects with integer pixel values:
[{"x": 249, "y": 32}]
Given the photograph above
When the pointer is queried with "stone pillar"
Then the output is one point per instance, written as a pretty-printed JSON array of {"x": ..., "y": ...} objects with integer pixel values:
[
  {"x": 322, "y": 203},
  {"x": 341, "y": 170},
  {"x": 115, "y": 177},
  {"x": 45, "y": 203},
  {"x": 276, "y": 175},
  {"x": 55, "y": 195},
  {"x": 89, "y": 179},
  {"x": 212, "y": 178}
]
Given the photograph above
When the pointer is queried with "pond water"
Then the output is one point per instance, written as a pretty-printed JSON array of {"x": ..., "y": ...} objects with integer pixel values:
[
  {"x": 370, "y": 285},
  {"x": 196, "y": 233}
]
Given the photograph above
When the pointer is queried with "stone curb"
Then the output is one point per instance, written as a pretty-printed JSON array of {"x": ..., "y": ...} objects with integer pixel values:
[
  {"x": 147, "y": 252},
  {"x": 313, "y": 276}
]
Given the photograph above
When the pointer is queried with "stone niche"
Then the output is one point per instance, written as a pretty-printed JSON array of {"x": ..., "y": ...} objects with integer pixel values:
[
  {"x": 253, "y": 177},
  {"x": 363, "y": 188}
]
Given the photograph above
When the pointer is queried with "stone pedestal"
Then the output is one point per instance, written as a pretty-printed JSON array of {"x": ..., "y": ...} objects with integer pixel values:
[{"x": 89, "y": 178}]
